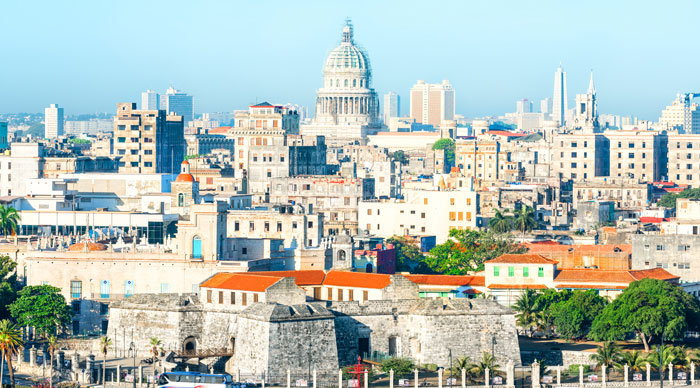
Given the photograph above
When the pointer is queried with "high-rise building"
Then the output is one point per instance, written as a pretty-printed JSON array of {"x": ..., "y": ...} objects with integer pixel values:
[
  {"x": 53, "y": 121},
  {"x": 347, "y": 107},
  {"x": 148, "y": 141},
  {"x": 560, "y": 103},
  {"x": 524, "y": 106},
  {"x": 432, "y": 103},
  {"x": 392, "y": 106},
  {"x": 681, "y": 115},
  {"x": 150, "y": 100},
  {"x": 4, "y": 142},
  {"x": 176, "y": 102},
  {"x": 546, "y": 106}
]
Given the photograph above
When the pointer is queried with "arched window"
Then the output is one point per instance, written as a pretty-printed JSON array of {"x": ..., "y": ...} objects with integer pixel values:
[
  {"x": 337, "y": 83},
  {"x": 346, "y": 83},
  {"x": 354, "y": 83},
  {"x": 181, "y": 200},
  {"x": 196, "y": 247},
  {"x": 341, "y": 255},
  {"x": 362, "y": 83}
]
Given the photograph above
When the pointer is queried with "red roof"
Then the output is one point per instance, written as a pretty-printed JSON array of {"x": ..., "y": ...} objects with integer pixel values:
[
  {"x": 219, "y": 130},
  {"x": 594, "y": 275},
  {"x": 184, "y": 178},
  {"x": 301, "y": 278},
  {"x": 591, "y": 286},
  {"x": 653, "y": 273},
  {"x": 446, "y": 280},
  {"x": 523, "y": 258},
  {"x": 357, "y": 279},
  {"x": 240, "y": 281},
  {"x": 652, "y": 220},
  {"x": 518, "y": 286}
]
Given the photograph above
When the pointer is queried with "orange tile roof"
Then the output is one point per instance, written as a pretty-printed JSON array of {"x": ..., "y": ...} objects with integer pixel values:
[
  {"x": 523, "y": 258},
  {"x": 586, "y": 249},
  {"x": 591, "y": 286},
  {"x": 653, "y": 273},
  {"x": 301, "y": 278},
  {"x": 219, "y": 130},
  {"x": 583, "y": 275},
  {"x": 518, "y": 286},
  {"x": 357, "y": 279},
  {"x": 240, "y": 281},
  {"x": 446, "y": 280}
]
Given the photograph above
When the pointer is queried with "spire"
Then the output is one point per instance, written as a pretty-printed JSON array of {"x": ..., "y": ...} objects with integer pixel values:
[
  {"x": 347, "y": 31},
  {"x": 591, "y": 88}
]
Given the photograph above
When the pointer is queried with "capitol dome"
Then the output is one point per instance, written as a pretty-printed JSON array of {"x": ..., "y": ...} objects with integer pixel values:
[{"x": 347, "y": 66}]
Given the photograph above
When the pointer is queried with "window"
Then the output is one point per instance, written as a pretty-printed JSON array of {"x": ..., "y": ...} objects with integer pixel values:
[
  {"x": 148, "y": 152},
  {"x": 255, "y": 298},
  {"x": 251, "y": 226},
  {"x": 496, "y": 270},
  {"x": 148, "y": 164},
  {"x": 128, "y": 288},
  {"x": 147, "y": 127},
  {"x": 511, "y": 271},
  {"x": 104, "y": 289},
  {"x": 164, "y": 288},
  {"x": 340, "y": 294},
  {"x": 196, "y": 247},
  {"x": 452, "y": 201},
  {"x": 526, "y": 272},
  {"x": 540, "y": 272},
  {"x": 208, "y": 296},
  {"x": 236, "y": 226},
  {"x": 452, "y": 216},
  {"x": 76, "y": 289},
  {"x": 244, "y": 299},
  {"x": 659, "y": 247},
  {"x": 221, "y": 297},
  {"x": 76, "y": 307},
  {"x": 104, "y": 309},
  {"x": 233, "y": 298},
  {"x": 121, "y": 139}
]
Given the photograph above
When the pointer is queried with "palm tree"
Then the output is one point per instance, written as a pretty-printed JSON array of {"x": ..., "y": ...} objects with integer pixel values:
[
  {"x": 635, "y": 360},
  {"x": 525, "y": 220},
  {"x": 10, "y": 342},
  {"x": 9, "y": 220},
  {"x": 545, "y": 321},
  {"x": 105, "y": 343},
  {"x": 608, "y": 354},
  {"x": 684, "y": 356},
  {"x": 464, "y": 362},
  {"x": 526, "y": 306},
  {"x": 487, "y": 361},
  {"x": 155, "y": 344},
  {"x": 52, "y": 349},
  {"x": 500, "y": 223},
  {"x": 668, "y": 356}
]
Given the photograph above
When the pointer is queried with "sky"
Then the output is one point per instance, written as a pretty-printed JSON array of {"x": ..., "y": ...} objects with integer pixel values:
[{"x": 88, "y": 55}]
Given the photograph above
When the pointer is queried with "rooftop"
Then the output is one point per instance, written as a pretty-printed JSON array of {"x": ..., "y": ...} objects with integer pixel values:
[{"x": 524, "y": 258}]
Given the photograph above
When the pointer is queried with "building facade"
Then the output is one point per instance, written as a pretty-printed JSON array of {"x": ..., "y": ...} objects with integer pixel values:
[
  {"x": 53, "y": 122},
  {"x": 431, "y": 104}
]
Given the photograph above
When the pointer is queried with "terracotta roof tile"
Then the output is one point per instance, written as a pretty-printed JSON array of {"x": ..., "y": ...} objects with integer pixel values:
[
  {"x": 653, "y": 273},
  {"x": 523, "y": 258},
  {"x": 446, "y": 280},
  {"x": 240, "y": 281},
  {"x": 594, "y": 275},
  {"x": 587, "y": 249},
  {"x": 357, "y": 279},
  {"x": 518, "y": 286},
  {"x": 301, "y": 278}
]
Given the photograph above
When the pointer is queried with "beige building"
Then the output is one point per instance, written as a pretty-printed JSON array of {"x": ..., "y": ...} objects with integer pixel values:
[
  {"x": 148, "y": 141},
  {"x": 684, "y": 159},
  {"x": 626, "y": 193},
  {"x": 640, "y": 155},
  {"x": 580, "y": 156},
  {"x": 432, "y": 104}
]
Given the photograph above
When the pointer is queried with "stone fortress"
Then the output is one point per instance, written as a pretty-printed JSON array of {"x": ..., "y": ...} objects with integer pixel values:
[{"x": 270, "y": 322}]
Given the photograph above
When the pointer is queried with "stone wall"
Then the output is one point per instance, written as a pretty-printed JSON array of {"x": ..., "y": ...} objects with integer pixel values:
[{"x": 564, "y": 358}]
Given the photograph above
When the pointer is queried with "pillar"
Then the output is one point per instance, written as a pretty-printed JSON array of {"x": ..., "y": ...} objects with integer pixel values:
[
  {"x": 140, "y": 374},
  {"x": 670, "y": 373},
  {"x": 314, "y": 378},
  {"x": 580, "y": 375},
  {"x": 60, "y": 360},
  {"x": 602, "y": 370},
  {"x": 340, "y": 378},
  {"x": 558, "y": 375},
  {"x": 648, "y": 375},
  {"x": 32, "y": 356},
  {"x": 464, "y": 378},
  {"x": 211, "y": 370},
  {"x": 391, "y": 378},
  {"x": 440, "y": 378},
  {"x": 692, "y": 373},
  {"x": 119, "y": 373},
  {"x": 89, "y": 367},
  {"x": 487, "y": 377},
  {"x": 366, "y": 378},
  {"x": 289, "y": 378},
  {"x": 535, "y": 376},
  {"x": 510, "y": 374},
  {"x": 626, "y": 371},
  {"x": 75, "y": 362},
  {"x": 415, "y": 378}
]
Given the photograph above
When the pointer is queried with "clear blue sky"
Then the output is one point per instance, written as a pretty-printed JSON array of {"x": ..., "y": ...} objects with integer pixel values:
[{"x": 89, "y": 55}]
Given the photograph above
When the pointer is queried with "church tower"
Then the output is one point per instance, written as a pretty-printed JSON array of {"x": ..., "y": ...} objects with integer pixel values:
[
  {"x": 184, "y": 191},
  {"x": 587, "y": 109}
]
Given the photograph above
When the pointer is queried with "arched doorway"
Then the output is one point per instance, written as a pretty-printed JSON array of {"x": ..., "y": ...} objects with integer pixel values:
[
  {"x": 190, "y": 345},
  {"x": 233, "y": 345}
]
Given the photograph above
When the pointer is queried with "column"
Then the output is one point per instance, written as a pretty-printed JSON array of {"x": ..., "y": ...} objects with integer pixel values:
[
  {"x": 415, "y": 378},
  {"x": 670, "y": 373},
  {"x": 89, "y": 366},
  {"x": 440, "y": 378},
  {"x": 32, "y": 356},
  {"x": 340, "y": 378},
  {"x": 602, "y": 370},
  {"x": 366, "y": 378},
  {"x": 314, "y": 376},
  {"x": 626, "y": 371},
  {"x": 535, "y": 376},
  {"x": 119, "y": 373},
  {"x": 510, "y": 373},
  {"x": 75, "y": 362},
  {"x": 391, "y": 378},
  {"x": 559, "y": 376},
  {"x": 289, "y": 378},
  {"x": 580, "y": 375},
  {"x": 487, "y": 377},
  {"x": 464, "y": 378},
  {"x": 648, "y": 375},
  {"x": 141, "y": 375}
]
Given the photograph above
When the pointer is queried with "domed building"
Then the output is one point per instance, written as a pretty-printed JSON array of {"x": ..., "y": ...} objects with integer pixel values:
[
  {"x": 347, "y": 108},
  {"x": 184, "y": 191}
]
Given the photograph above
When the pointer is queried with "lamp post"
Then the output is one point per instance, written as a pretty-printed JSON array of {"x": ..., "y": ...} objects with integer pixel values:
[
  {"x": 132, "y": 349},
  {"x": 451, "y": 368},
  {"x": 661, "y": 362}
]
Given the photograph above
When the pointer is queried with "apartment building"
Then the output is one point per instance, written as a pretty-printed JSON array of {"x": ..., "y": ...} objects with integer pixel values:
[
  {"x": 640, "y": 155},
  {"x": 684, "y": 159},
  {"x": 580, "y": 156}
]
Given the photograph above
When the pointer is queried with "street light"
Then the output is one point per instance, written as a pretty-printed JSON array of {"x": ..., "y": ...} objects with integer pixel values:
[
  {"x": 132, "y": 349},
  {"x": 451, "y": 368},
  {"x": 661, "y": 362}
]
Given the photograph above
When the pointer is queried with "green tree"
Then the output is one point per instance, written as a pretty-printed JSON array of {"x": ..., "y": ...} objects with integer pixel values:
[
  {"x": 500, "y": 223},
  {"x": 667, "y": 355},
  {"x": 648, "y": 308},
  {"x": 9, "y": 220},
  {"x": 669, "y": 200},
  {"x": 10, "y": 343},
  {"x": 42, "y": 307},
  {"x": 408, "y": 254},
  {"x": 546, "y": 301},
  {"x": 401, "y": 366},
  {"x": 573, "y": 318},
  {"x": 449, "y": 146},
  {"x": 464, "y": 362},
  {"x": 466, "y": 250},
  {"x": 105, "y": 343},
  {"x": 156, "y": 346},
  {"x": 527, "y": 311},
  {"x": 8, "y": 285},
  {"x": 608, "y": 354},
  {"x": 634, "y": 359},
  {"x": 399, "y": 156},
  {"x": 487, "y": 361},
  {"x": 524, "y": 220}
]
